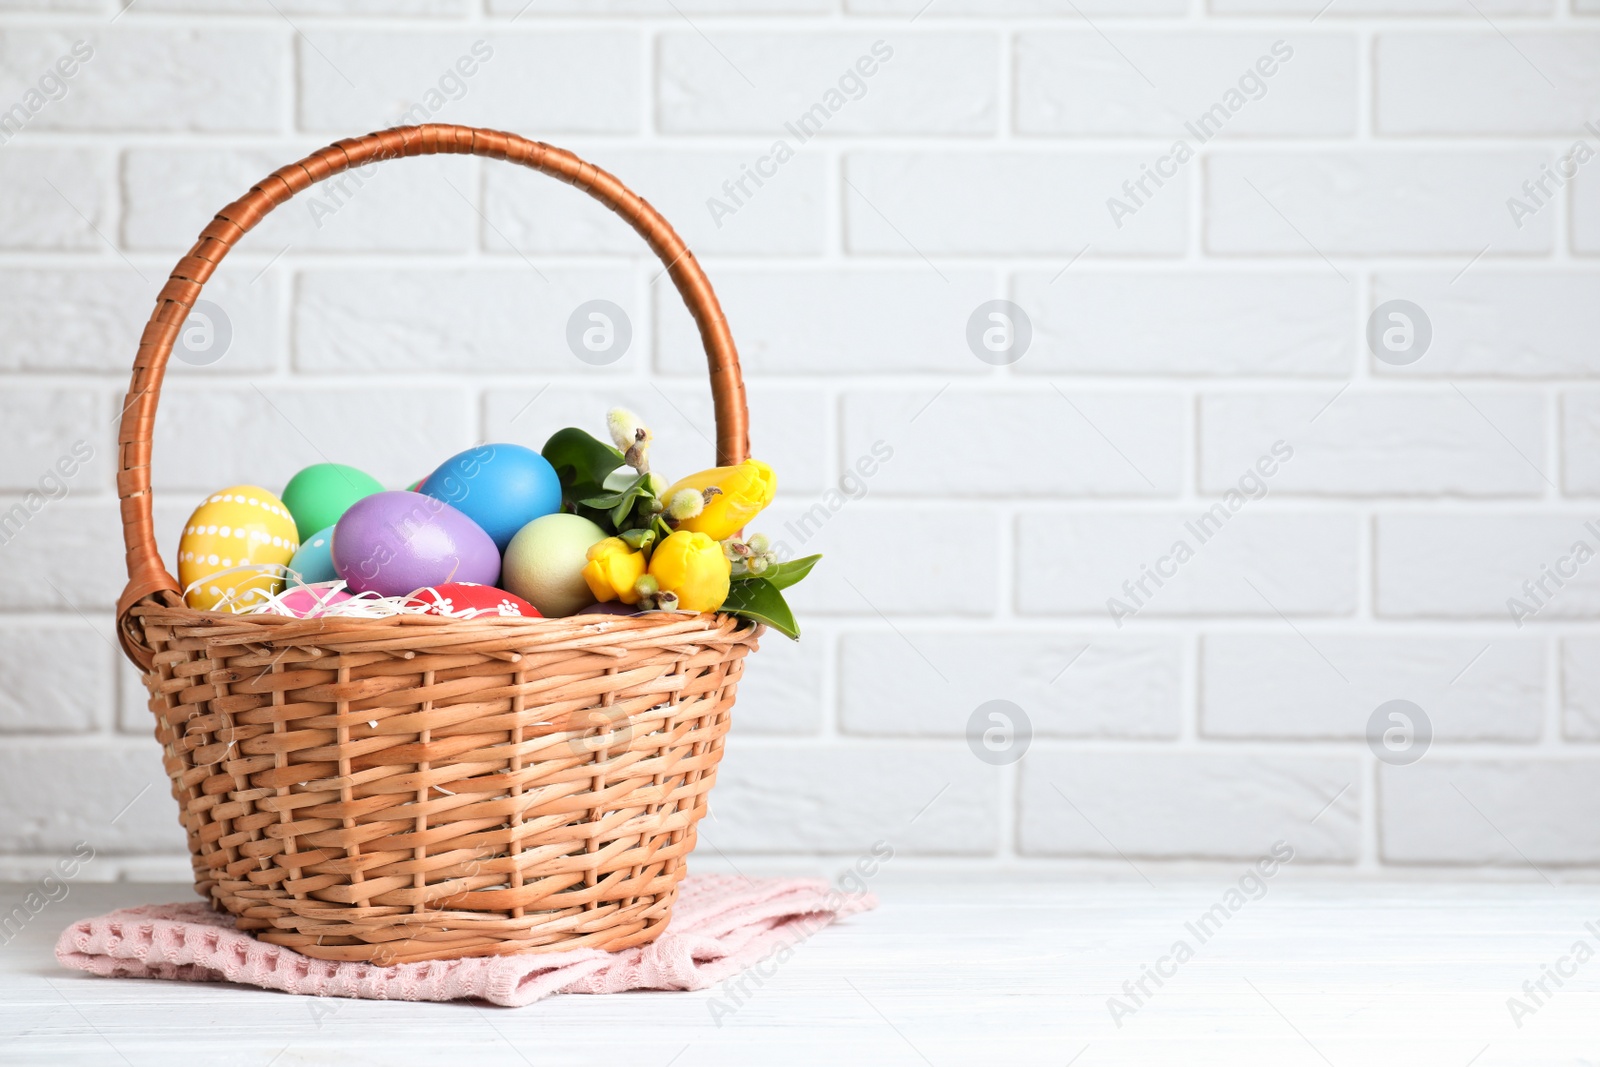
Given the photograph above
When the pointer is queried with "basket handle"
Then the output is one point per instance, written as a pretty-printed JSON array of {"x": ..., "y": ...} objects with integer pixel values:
[{"x": 148, "y": 578}]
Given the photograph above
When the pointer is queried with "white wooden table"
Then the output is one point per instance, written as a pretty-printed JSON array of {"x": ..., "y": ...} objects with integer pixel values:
[{"x": 947, "y": 971}]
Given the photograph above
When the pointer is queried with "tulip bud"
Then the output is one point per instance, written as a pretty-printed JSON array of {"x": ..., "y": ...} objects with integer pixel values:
[
  {"x": 612, "y": 569},
  {"x": 693, "y": 568},
  {"x": 742, "y": 491}
]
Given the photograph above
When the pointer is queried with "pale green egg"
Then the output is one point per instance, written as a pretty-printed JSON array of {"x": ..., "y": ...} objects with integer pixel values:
[{"x": 544, "y": 563}]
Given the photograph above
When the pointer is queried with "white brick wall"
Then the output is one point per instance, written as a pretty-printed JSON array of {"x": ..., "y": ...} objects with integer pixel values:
[
  {"x": 1501, "y": 323},
  {"x": 1363, "y": 202},
  {"x": 1369, "y": 443},
  {"x": 1064, "y": 81},
  {"x": 930, "y": 82},
  {"x": 1431, "y": 83},
  {"x": 1276, "y": 685},
  {"x": 1212, "y": 324},
  {"x": 1415, "y": 538},
  {"x": 572, "y": 81},
  {"x": 1169, "y": 805}
]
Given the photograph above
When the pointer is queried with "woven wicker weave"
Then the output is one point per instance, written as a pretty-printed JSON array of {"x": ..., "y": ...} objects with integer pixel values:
[{"x": 414, "y": 788}]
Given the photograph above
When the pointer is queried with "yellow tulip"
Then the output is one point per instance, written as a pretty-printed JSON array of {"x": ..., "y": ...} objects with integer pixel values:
[
  {"x": 745, "y": 490},
  {"x": 694, "y": 567},
  {"x": 612, "y": 570}
]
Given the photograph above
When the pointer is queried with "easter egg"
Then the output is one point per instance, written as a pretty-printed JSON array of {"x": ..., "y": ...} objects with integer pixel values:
[
  {"x": 465, "y": 600},
  {"x": 500, "y": 487},
  {"x": 312, "y": 602},
  {"x": 239, "y": 541},
  {"x": 314, "y": 562},
  {"x": 544, "y": 563},
  {"x": 392, "y": 543},
  {"x": 318, "y": 495}
]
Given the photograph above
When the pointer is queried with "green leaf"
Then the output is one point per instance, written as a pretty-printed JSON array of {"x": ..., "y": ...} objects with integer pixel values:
[
  {"x": 620, "y": 503},
  {"x": 581, "y": 462},
  {"x": 620, "y": 479},
  {"x": 620, "y": 511},
  {"x": 759, "y": 599},
  {"x": 608, "y": 500},
  {"x": 783, "y": 575}
]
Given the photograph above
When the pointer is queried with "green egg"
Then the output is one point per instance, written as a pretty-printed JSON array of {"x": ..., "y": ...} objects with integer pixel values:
[{"x": 318, "y": 495}]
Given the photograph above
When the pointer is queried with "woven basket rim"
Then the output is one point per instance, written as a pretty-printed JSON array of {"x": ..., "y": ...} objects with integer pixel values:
[{"x": 598, "y": 624}]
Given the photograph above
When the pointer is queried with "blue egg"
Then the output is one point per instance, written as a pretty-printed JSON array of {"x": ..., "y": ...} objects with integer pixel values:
[
  {"x": 500, "y": 487},
  {"x": 313, "y": 563}
]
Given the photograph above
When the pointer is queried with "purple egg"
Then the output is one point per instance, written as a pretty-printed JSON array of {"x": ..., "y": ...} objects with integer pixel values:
[{"x": 392, "y": 543}]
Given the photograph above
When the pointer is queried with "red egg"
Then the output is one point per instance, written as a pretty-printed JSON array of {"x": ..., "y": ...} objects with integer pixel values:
[{"x": 468, "y": 600}]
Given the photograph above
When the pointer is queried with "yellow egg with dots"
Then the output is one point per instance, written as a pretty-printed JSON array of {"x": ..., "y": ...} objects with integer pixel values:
[{"x": 234, "y": 549}]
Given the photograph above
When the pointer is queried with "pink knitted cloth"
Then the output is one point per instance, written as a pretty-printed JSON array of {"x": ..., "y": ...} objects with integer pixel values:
[{"x": 720, "y": 926}]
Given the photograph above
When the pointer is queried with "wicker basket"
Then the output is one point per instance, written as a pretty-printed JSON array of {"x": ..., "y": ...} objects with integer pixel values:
[{"x": 415, "y": 788}]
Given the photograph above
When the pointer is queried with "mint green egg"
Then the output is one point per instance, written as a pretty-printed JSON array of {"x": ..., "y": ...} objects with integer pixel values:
[{"x": 318, "y": 495}]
